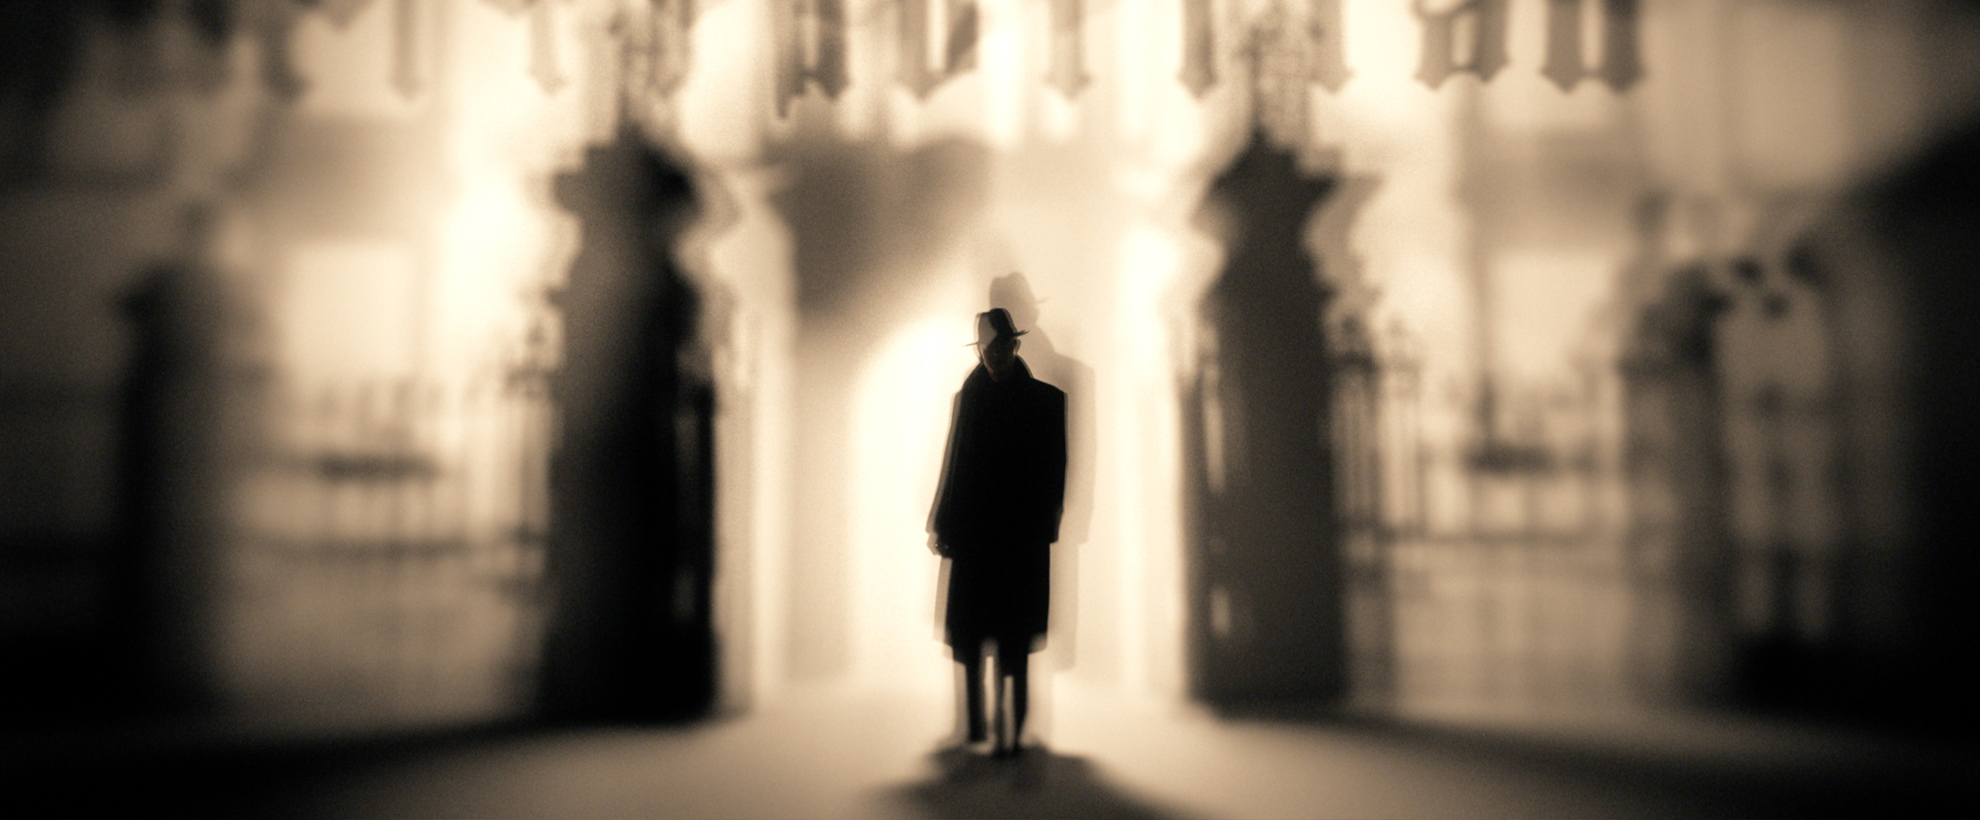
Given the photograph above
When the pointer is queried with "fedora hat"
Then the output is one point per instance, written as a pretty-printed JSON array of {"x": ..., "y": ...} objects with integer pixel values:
[{"x": 994, "y": 324}]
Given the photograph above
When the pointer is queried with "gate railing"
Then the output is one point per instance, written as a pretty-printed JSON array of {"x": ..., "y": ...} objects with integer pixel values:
[
  {"x": 1482, "y": 544},
  {"x": 386, "y": 561}
]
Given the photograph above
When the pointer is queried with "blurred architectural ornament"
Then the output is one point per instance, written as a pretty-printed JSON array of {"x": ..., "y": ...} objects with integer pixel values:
[
  {"x": 1288, "y": 48},
  {"x": 270, "y": 23},
  {"x": 405, "y": 38},
  {"x": 670, "y": 50},
  {"x": 1285, "y": 54},
  {"x": 1301, "y": 42},
  {"x": 342, "y": 12},
  {"x": 1326, "y": 54},
  {"x": 1199, "y": 68},
  {"x": 654, "y": 50},
  {"x": 1566, "y": 66},
  {"x": 959, "y": 40},
  {"x": 543, "y": 49},
  {"x": 1068, "y": 71},
  {"x": 405, "y": 48},
  {"x": 1461, "y": 36},
  {"x": 543, "y": 60},
  {"x": 811, "y": 48},
  {"x": 1278, "y": 79}
]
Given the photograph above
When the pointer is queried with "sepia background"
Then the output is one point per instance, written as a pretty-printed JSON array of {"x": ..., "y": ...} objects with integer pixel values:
[{"x": 393, "y": 369}]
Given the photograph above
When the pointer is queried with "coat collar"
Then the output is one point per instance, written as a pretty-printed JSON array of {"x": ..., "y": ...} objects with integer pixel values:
[{"x": 979, "y": 379}]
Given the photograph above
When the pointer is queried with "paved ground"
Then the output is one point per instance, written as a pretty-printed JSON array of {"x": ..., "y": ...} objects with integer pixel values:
[{"x": 838, "y": 752}]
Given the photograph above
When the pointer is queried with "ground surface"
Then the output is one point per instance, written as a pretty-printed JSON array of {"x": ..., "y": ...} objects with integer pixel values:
[{"x": 834, "y": 752}]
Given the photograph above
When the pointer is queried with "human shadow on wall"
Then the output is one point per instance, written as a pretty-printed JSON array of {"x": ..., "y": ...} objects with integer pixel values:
[
  {"x": 867, "y": 221},
  {"x": 1013, "y": 293},
  {"x": 1037, "y": 784}
]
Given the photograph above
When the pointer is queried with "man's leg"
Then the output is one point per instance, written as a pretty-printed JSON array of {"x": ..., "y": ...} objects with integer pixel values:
[
  {"x": 1001, "y": 712},
  {"x": 1014, "y": 664},
  {"x": 972, "y": 663},
  {"x": 998, "y": 714}
]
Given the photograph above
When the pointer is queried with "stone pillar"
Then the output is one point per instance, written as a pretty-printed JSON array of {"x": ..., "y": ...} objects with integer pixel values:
[
  {"x": 179, "y": 436},
  {"x": 1678, "y": 542}
]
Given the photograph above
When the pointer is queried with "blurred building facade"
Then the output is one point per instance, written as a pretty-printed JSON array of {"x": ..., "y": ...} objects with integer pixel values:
[{"x": 383, "y": 362}]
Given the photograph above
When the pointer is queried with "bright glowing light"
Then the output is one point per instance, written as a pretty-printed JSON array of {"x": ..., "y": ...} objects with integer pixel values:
[
  {"x": 1149, "y": 262},
  {"x": 728, "y": 57},
  {"x": 754, "y": 505},
  {"x": 1382, "y": 44},
  {"x": 1007, "y": 76},
  {"x": 394, "y": 352},
  {"x": 499, "y": 244},
  {"x": 1058, "y": 118},
  {"x": 491, "y": 238},
  {"x": 1143, "y": 439},
  {"x": 1130, "y": 25},
  {"x": 900, "y": 423},
  {"x": 349, "y": 312},
  {"x": 1547, "y": 300}
]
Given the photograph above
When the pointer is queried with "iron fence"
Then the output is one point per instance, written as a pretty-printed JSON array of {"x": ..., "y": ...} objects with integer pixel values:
[{"x": 387, "y": 562}]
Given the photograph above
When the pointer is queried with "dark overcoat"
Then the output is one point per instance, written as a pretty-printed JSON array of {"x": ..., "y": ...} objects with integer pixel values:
[{"x": 998, "y": 507}]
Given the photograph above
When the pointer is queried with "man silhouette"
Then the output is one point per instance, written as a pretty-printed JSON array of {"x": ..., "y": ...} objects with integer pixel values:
[{"x": 996, "y": 516}]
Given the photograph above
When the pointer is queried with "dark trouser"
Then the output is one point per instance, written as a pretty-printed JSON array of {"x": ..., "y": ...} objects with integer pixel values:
[{"x": 1013, "y": 662}]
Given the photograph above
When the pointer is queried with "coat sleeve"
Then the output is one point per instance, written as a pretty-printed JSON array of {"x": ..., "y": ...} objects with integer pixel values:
[
  {"x": 941, "y": 517},
  {"x": 1052, "y": 481}
]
